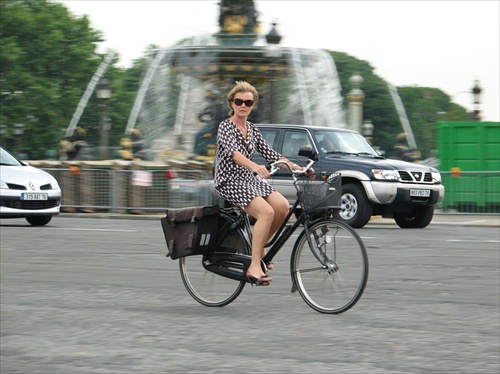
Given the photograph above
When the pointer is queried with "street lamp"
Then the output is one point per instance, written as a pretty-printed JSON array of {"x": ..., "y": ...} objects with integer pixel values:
[
  {"x": 3, "y": 135},
  {"x": 18, "y": 135},
  {"x": 273, "y": 38},
  {"x": 367, "y": 130},
  {"x": 355, "y": 99},
  {"x": 476, "y": 94},
  {"x": 103, "y": 93}
]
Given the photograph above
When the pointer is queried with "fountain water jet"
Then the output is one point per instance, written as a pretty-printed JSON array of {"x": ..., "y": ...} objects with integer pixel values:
[{"x": 182, "y": 99}]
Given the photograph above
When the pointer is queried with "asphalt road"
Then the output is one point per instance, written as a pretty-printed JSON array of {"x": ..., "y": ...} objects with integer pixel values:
[{"x": 93, "y": 295}]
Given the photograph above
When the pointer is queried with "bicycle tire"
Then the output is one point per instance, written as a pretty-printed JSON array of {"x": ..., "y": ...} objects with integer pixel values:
[
  {"x": 331, "y": 276},
  {"x": 206, "y": 287}
]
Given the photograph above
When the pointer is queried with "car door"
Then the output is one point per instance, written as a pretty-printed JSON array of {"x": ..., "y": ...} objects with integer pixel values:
[
  {"x": 292, "y": 141},
  {"x": 287, "y": 142}
]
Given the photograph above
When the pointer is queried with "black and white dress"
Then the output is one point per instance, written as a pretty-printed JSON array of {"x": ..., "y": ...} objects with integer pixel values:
[{"x": 235, "y": 183}]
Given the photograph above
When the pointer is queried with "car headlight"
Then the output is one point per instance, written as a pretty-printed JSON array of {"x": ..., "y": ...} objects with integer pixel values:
[
  {"x": 436, "y": 177},
  {"x": 53, "y": 183},
  {"x": 383, "y": 174},
  {"x": 3, "y": 184}
]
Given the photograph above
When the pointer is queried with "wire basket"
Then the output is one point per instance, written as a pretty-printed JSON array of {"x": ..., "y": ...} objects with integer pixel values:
[{"x": 319, "y": 191}]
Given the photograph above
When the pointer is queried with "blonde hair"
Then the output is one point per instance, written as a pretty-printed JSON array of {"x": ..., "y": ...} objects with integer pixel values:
[{"x": 242, "y": 86}]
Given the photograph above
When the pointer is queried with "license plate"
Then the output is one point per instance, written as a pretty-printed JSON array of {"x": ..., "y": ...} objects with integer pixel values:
[
  {"x": 420, "y": 193},
  {"x": 34, "y": 196}
]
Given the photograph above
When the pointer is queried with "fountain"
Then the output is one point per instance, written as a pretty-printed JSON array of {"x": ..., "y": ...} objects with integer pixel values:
[{"x": 181, "y": 100}]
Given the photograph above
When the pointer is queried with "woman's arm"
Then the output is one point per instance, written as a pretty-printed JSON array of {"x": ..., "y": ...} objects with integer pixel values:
[{"x": 260, "y": 170}]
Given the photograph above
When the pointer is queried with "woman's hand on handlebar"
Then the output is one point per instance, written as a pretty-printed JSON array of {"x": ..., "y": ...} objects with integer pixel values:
[
  {"x": 261, "y": 171},
  {"x": 309, "y": 171},
  {"x": 306, "y": 170}
]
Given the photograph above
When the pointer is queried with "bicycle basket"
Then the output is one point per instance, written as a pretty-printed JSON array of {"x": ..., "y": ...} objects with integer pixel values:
[{"x": 319, "y": 191}]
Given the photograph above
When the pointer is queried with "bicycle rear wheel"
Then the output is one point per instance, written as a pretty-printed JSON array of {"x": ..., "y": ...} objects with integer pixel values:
[
  {"x": 205, "y": 286},
  {"x": 332, "y": 274}
]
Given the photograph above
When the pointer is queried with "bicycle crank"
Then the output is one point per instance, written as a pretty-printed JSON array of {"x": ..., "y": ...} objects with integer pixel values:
[{"x": 229, "y": 265}]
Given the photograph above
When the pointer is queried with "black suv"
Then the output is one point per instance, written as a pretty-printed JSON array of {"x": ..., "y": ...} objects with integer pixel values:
[{"x": 371, "y": 184}]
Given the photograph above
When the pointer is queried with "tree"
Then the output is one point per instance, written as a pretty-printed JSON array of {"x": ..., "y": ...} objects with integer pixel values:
[
  {"x": 424, "y": 106},
  {"x": 47, "y": 58},
  {"x": 378, "y": 104}
]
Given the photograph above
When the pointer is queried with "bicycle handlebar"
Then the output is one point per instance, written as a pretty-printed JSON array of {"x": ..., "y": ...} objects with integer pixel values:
[{"x": 275, "y": 168}]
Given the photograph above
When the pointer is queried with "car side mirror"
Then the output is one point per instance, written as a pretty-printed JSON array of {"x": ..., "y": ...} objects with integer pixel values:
[{"x": 308, "y": 152}]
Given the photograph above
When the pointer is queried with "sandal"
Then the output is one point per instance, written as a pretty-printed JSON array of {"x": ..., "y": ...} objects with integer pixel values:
[
  {"x": 266, "y": 266},
  {"x": 261, "y": 281}
]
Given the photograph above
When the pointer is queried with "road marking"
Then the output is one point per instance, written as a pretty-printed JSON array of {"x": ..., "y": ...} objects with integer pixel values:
[{"x": 105, "y": 230}]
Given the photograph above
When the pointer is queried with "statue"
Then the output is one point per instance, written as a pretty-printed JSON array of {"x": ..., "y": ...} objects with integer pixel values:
[
  {"x": 75, "y": 147},
  {"x": 132, "y": 146},
  {"x": 238, "y": 17},
  {"x": 211, "y": 117},
  {"x": 405, "y": 153}
]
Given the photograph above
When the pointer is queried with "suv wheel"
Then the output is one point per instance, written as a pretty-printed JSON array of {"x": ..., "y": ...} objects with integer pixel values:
[
  {"x": 418, "y": 218},
  {"x": 38, "y": 220},
  {"x": 355, "y": 209}
]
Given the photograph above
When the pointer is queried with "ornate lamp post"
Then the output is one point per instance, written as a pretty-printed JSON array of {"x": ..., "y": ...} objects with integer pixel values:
[
  {"x": 355, "y": 98},
  {"x": 3, "y": 135},
  {"x": 476, "y": 94},
  {"x": 18, "y": 134},
  {"x": 273, "y": 52},
  {"x": 367, "y": 129},
  {"x": 103, "y": 93}
]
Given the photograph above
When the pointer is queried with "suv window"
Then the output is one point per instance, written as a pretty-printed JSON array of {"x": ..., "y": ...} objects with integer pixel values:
[
  {"x": 292, "y": 141},
  {"x": 271, "y": 137}
]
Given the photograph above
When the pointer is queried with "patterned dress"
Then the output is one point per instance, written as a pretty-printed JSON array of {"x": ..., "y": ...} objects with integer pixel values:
[{"x": 235, "y": 183}]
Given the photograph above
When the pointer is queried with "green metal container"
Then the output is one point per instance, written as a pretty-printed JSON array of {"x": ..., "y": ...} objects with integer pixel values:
[{"x": 469, "y": 154}]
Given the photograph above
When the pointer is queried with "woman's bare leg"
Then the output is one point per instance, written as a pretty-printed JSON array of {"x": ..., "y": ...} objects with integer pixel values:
[
  {"x": 269, "y": 213},
  {"x": 281, "y": 208},
  {"x": 263, "y": 212}
]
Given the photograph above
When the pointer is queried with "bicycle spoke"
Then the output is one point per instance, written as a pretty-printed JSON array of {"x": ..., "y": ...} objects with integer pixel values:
[
  {"x": 205, "y": 286},
  {"x": 330, "y": 266}
]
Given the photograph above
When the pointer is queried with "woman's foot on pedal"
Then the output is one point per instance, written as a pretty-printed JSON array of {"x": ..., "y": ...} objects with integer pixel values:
[{"x": 263, "y": 280}]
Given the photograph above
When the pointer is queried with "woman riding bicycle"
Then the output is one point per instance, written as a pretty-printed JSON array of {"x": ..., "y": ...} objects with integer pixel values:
[{"x": 239, "y": 180}]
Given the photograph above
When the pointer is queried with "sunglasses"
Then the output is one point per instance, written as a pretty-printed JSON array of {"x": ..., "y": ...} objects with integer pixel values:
[{"x": 240, "y": 102}]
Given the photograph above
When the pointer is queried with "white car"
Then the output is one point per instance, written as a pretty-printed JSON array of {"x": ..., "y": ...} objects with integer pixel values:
[{"x": 27, "y": 192}]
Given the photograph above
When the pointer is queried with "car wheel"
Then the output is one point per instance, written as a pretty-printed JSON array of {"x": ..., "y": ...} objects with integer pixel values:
[
  {"x": 418, "y": 218},
  {"x": 38, "y": 220},
  {"x": 355, "y": 208}
]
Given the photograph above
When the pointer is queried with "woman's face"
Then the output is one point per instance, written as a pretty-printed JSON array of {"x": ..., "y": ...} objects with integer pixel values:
[{"x": 242, "y": 98}]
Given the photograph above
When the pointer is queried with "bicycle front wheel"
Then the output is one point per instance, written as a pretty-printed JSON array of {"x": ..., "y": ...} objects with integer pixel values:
[
  {"x": 205, "y": 286},
  {"x": 330, "y": 270}
]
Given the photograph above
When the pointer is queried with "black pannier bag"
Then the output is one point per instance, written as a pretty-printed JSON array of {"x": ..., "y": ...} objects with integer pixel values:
[{"x": 190, "y": 231}]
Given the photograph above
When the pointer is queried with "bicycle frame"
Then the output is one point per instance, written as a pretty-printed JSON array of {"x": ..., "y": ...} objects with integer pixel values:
[{"x": 224, "y": 264}]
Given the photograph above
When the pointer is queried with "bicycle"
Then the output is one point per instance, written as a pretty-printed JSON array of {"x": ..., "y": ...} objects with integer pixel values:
[{"x": 328, "y": 265}]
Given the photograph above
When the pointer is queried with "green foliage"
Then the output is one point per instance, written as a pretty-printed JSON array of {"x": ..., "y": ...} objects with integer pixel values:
[
  {"x": 46, "y": 59},
  {"x": 424, "y": 106},
  {"x": 378, "y": 105}
]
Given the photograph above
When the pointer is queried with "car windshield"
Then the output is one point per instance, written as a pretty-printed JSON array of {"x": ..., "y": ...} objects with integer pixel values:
[
  {"x": 7, "y": 159},
  {"x": 343, "y": 142}
]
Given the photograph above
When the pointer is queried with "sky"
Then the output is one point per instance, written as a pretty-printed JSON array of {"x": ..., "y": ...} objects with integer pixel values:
[{"x": 443, "y": 44}]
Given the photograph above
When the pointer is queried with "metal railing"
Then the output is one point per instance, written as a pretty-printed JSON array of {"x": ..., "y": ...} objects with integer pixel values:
[
  {"x": 131, "y": 191},
  {"x": 471, "y": 192},
  {"x": 143, "y": 191}
]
